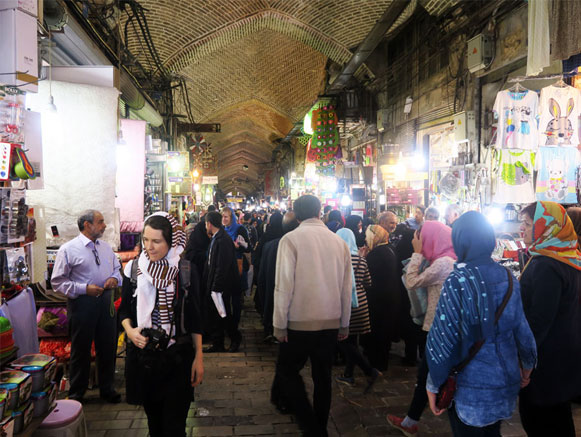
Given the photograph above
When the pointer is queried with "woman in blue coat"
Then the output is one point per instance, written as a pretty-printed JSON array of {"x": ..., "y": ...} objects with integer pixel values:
[{"x": 488, "y": 387}]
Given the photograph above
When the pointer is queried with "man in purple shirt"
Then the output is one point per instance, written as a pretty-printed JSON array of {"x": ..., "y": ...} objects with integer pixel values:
[{"x": 86, "y": 271}]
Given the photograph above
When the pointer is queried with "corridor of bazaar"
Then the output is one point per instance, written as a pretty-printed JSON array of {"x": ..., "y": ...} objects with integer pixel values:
[{"x": 290, "y": 217}]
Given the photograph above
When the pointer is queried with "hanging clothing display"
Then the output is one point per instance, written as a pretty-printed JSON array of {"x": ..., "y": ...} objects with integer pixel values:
[
  {"x": 517, "y": 120},
  {"x": 539, "y": 46},
  {"x": 559, "y": 109},
  {"x": 556, "y": 180},
  {"x": 515, "y": 176},
  {"x": 565, "y": 31}
]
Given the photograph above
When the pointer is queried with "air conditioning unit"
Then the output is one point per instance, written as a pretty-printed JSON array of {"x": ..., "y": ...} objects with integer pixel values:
[{"x": 382, "y": 117}]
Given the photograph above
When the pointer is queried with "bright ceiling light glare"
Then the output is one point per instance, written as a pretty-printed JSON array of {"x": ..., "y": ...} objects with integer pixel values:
[
  {"x": 307, "y": 126},
  {"x": 346, "y": 200},
  {"x": 419, "y": 162},
  {"x": 400, "y": 170},
  {"x": 495, "y": 216},
  {"x": 196, "y": 173},
  {"x": 283, "y": 206}
]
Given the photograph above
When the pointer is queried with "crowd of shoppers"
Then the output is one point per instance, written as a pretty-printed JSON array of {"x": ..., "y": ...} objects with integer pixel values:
[{"x": 326, "y": 285}]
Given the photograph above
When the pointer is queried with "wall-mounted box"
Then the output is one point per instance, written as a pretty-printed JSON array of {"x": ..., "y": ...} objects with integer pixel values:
[
  {"x": 480, "y": 52},
  {"x": 465, "y": 126},
  {"x": 28, "y": 6},
  {"x": 19, "y": 49}
]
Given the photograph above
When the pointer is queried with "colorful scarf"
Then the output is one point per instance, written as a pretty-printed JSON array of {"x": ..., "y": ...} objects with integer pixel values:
[
  {"x": 436, "y": 241},
  {"x": 554, "y": 235},
  {"x": 156, "y": 281}
]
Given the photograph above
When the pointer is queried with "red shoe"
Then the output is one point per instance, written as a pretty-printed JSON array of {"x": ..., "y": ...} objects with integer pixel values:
[{"x": 408, "y": 431}]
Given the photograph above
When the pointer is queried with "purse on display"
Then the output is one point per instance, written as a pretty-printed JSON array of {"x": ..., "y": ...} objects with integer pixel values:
[{"x": 447, "y": 390}]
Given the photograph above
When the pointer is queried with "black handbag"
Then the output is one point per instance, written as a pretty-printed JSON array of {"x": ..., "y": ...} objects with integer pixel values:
[{"x": 447, "y": 391}]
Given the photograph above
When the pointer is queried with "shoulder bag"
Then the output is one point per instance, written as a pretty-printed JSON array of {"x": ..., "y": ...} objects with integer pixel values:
[{"x": 447, "y": 391}]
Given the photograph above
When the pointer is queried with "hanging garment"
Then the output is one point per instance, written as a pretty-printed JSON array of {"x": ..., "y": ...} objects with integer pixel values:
[
  {"x": 539, "y": 47},
  {"x": 557, "y": 171},
  {"x": 559, "y": 109},
  {"x": 565, "y": 32},
  {"x": 515, "y": 176},
  {"x": 21, "y": 311},
  {"x": 517, "y": 120}
]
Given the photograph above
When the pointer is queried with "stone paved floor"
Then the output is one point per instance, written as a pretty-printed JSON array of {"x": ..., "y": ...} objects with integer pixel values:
[{"x": 234, "y": 400}]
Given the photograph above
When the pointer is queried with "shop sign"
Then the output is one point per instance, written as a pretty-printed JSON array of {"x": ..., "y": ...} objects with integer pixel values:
[
  {"x": 209, "y": 180},
  {"x": 350, "y": 164}
]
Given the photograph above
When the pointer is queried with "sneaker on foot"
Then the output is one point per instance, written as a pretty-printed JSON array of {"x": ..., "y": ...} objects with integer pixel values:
[
  {"x": 372, "y": 380},
  {"x": 408, "y": 431},
  {"x": 348, "y": 380}
]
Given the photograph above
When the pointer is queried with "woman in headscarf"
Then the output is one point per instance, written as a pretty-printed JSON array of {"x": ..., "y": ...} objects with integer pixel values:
[
  {"x": 273, "y": 232},
  {"x": 335, "y": 221},
  {"x": 471, "y": 300},
  {"x": 432, "y": 246},
  {"x": 551, "y": 292},
  {"x": 359, "y": 323},
  {"x": 160, "y": 301},
  {"x": 355, "y": 223},
  {"x": 383, "y": 296}
]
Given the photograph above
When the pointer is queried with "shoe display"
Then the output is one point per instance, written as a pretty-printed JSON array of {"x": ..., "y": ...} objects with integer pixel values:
[
  {"x": 372, "y": 380},
  {"x": 213, "y": 349},
  {"x": 408, "y": 431},
  {"x": 112, "y": 398},
  {"x": 347, "y": 380}
]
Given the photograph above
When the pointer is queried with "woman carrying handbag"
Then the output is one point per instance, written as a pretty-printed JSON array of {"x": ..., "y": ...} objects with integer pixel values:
[{"x": 480, "y": 341}]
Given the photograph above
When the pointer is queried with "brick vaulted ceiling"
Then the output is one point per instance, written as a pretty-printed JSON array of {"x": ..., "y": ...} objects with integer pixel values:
[{"x": 255, "y": 66}]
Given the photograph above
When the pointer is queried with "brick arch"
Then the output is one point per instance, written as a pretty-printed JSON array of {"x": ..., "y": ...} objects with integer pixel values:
[{"x": 273, "y": 20}]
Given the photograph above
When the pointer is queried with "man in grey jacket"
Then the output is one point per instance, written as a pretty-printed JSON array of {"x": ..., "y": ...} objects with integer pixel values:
[{"x": 312, "y": 306}]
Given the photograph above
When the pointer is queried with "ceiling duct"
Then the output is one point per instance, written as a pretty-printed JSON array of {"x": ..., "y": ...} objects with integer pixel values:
[{"x": 73, "y": 46}]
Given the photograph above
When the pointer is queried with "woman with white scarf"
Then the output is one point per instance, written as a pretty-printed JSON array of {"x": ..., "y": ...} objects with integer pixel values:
[{"x": 160, "y": 314}]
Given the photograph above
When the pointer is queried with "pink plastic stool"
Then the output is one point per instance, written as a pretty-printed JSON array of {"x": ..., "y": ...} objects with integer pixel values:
[{"x": 66, "y": 420}]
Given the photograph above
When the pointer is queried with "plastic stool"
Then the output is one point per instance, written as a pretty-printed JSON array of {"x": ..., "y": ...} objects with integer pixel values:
[{"x": 66, "y": 420}]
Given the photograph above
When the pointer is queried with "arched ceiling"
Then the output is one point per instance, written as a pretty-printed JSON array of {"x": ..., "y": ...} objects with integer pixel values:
[{"x": 255, "y": 66}]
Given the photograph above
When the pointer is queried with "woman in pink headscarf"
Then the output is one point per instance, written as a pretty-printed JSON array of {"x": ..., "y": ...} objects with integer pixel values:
[{"x": 432, "y": 245}]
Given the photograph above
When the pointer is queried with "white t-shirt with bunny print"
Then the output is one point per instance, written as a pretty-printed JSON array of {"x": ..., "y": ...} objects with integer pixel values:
[{"x": 559, "y": 109}]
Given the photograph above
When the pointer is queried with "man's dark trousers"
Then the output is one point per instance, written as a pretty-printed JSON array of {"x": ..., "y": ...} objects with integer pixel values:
[
  {"x": 319, "y": 347},
  {"x": 90, "y": 320}
]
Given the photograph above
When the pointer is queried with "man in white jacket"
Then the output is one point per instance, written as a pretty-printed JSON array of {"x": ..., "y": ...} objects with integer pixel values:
[{"x": 312, "y": 306}]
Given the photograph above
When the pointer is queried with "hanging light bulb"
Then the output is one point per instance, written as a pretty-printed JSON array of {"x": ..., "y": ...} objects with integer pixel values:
[
  {"x": 120, "y": 140},
  {"x": 51, "y": 106}
]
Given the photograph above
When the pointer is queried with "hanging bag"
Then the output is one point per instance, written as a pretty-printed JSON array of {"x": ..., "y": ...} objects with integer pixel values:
[{"x": 447, "y": 391}]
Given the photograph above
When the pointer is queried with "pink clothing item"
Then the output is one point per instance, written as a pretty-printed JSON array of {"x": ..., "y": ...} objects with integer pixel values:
[{"x": 436, "y": 241}]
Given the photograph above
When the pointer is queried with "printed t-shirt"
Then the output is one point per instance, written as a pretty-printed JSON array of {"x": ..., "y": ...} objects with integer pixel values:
[
  {"x": 517, "y": 120},
  {"x": 515, "y": 176},
  {"x": 559, "y": 109}
]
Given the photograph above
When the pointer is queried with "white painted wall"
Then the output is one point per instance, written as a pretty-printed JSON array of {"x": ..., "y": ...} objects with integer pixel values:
[{"x": 79, "y": 151}]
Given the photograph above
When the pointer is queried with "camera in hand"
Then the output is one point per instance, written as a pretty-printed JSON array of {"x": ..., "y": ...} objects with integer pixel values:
[{"x": 157, "y": 339}]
